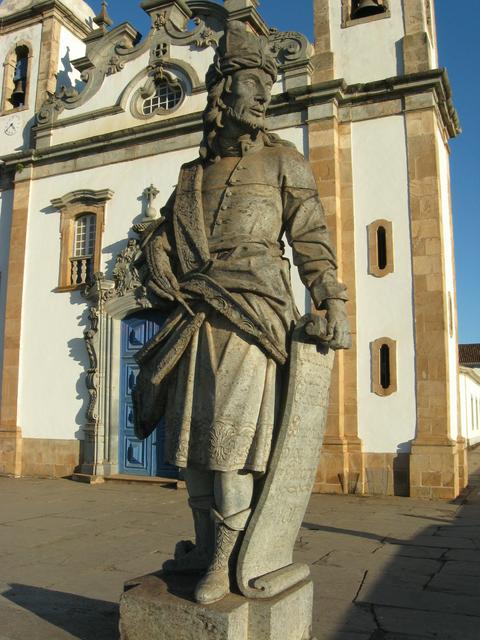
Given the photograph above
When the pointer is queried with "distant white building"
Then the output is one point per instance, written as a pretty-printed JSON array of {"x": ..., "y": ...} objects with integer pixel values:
[
  {"x": 95, "y": 124},
  {"x": 469, "y": 355}
]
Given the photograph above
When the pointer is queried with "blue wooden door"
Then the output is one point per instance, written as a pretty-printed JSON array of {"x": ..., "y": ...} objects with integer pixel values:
[{"x": 138, "y": 457}]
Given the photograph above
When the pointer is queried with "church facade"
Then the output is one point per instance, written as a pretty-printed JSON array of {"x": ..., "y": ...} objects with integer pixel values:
[{"x": 95, "y": 124}]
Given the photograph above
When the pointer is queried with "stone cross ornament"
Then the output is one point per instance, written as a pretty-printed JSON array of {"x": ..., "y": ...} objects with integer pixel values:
[{"x": 240, "y": 378}]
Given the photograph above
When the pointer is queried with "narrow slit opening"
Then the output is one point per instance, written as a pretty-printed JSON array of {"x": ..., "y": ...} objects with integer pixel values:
[
  {"x": 382, "y": 257},
  {"x": 385, "y": 366}
]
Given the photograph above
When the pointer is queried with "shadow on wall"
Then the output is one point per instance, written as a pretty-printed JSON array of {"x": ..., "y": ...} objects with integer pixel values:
[
  {"x": 83, "y": 618},
  {"x": 399, "y": 56},
  {"x": 27, "y": 137},
  {"x": 64, "y": 78},
  {"x": 78, "y": 352}
]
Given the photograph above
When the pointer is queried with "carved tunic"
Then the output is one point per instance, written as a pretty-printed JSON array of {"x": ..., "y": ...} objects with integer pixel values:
[{"x": 222, "y": 238}]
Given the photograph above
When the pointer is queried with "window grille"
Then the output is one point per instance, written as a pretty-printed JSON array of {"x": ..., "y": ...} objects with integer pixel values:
[{"x": 166, "y": 97}]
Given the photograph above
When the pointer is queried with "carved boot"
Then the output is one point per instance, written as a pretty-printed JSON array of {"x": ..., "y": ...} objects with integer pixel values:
[
  {"x": 215, "y": 585},
  {"x": 196, "y": 558}
]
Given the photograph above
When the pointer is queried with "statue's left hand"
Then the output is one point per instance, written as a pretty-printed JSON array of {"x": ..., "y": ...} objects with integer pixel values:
[{"x": 338, "y": 326}]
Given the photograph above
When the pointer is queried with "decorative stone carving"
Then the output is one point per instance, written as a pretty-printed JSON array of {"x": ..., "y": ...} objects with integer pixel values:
[
  {"x": 115, "y": 65},
  {"x": 92, "y": 373},
  {"x": 289, "y": 46},
  {"x": 50, "y": 110},
  {"x": 110, "y": 300},
  {"x": 125, "y": 273},
  {"x": 160, "y": 20},
  {"x": 107, "y": 53},
  {"x": 150, "y": 194}
]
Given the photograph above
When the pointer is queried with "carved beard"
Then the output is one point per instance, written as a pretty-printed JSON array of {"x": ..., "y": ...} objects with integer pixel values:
[{"x": 252, "y": 124}]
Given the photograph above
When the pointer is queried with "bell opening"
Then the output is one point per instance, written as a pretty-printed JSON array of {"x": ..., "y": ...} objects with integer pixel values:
[
  {"x": 367, "y": 8},
  {"x": 19, "y": 80}
]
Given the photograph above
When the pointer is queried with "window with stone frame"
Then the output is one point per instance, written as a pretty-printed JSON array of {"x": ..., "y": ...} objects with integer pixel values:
[
  {"x": 81, "y": 262},
  {"x": 384, "y": 366},
  {"x": 161, "y": 94},
  {"x": 380, "y": 248},
  {"x": 360, "y": 11},
  {"x": 16, "y": 78},
  {"x": 82, "y": 221}
]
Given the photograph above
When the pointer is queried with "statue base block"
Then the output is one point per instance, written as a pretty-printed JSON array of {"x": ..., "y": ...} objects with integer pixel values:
[{"x": 160, "y": 607}]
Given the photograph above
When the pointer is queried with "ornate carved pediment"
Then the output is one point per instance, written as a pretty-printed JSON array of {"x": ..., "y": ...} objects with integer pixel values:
[{"x": 108, "y": 52}]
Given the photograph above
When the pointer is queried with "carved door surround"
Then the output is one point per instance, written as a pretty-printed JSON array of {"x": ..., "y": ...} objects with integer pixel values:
[{"x": 111, "y": 301}]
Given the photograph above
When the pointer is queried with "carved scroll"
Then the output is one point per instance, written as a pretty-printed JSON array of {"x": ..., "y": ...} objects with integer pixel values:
[
  {"x": 92, "y": 372},
  {"x": 266, "y": 569}
]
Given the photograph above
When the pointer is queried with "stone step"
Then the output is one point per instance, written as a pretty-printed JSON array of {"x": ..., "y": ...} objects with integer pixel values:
[{"x": 125, "y": 478}]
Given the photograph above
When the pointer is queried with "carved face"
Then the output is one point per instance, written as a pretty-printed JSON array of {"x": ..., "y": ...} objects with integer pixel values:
[{"x": 247, "y": 98}]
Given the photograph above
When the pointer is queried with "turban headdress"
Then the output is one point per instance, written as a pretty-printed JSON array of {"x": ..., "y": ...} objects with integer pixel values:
[{"x": 241, "y": 49}]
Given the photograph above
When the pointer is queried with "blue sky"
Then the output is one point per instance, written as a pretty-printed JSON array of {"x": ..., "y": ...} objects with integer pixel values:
[{"x": 458, "y": 46}]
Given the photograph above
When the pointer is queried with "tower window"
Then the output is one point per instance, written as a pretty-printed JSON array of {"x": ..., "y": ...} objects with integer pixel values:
[
  {"x": 16, "y": 77},
  {"x": 380, "y": 248},
  {"x": 359, "y": 11},
  {"x": 366, "y": 8},
  {"x": 384, "y": 366}
]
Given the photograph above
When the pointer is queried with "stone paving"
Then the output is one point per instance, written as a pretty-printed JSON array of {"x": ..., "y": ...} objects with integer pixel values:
[{"x": 384, "y": 568}]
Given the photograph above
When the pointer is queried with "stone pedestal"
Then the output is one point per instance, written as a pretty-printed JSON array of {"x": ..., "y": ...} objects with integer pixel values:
[{"x": 161, "y": 607}]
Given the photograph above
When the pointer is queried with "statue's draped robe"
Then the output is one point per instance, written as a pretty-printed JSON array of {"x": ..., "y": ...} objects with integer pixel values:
[{"x": 215, "y": 374}]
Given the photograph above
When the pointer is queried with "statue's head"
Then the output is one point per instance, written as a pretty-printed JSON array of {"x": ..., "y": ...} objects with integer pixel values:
[{"x": 239, "y": 84}]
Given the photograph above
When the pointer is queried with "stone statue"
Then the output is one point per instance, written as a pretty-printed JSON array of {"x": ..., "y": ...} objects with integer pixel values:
[{"x": 215, "y": 258}]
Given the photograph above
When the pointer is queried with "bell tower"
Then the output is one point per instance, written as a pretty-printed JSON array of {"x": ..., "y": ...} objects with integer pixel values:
[
  {"x": 380, "y": 151},
  {"x": 38, "y": 41}
]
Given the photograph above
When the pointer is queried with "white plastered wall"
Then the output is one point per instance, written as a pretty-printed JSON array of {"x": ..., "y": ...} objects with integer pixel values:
[
  {"x": 297, "y": 136},
  {"x": 24, "y": 117},
  {"x": 470, "y": 405},
  {"x": 369, "y": 51},
  {"x": 53, "y": 358},
  {"x": 6, "y": 202},
  {"x": 384, "y": 305},
  {"x": 448, "y": 258}
]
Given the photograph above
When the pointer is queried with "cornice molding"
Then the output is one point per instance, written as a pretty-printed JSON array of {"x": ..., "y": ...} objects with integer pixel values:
[
  {"x": 336, "y": 93},
  {"x": 83, "y": 196},
  {"x": 40, "y": 9},
  {"x": 472, "y": 373}
]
